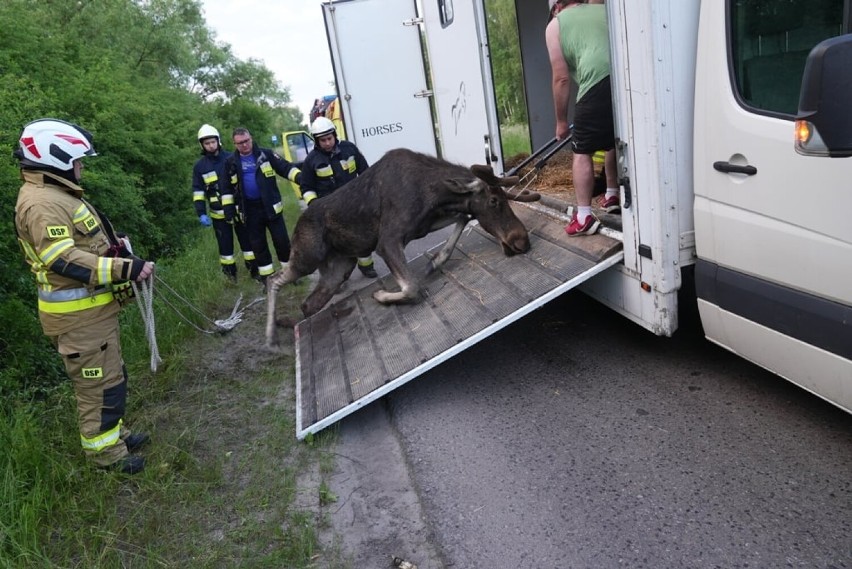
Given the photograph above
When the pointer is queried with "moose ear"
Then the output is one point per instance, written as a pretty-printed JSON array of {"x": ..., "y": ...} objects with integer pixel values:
[
  {"x": 484, "y": 173},
  {"x": 461, "y": 185}
]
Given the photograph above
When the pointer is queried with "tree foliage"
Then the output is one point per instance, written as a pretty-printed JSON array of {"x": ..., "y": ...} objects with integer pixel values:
[
  {"x": 142, "y": 75},
  {"x": 506, "y": 60}
]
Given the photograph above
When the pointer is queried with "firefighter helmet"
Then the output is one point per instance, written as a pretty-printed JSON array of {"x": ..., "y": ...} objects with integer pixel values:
[
  {"x": 207, "y": 131},
  {"x": 323, "y": 126},
  {"x": 53, "y": 143}
]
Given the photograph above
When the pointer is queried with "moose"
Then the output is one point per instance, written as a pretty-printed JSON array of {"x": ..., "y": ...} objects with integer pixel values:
[{"x": 404, "y": 196}]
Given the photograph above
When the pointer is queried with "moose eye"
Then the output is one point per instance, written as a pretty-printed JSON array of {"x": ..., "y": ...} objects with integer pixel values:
[{"x": 493, "y": 202}]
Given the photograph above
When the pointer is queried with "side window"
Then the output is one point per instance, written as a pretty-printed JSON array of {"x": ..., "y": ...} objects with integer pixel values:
[
  {"x": 445, "y": 9},
  {"x": 298, "y": 144},
  {"x": 770, "y": 41}
]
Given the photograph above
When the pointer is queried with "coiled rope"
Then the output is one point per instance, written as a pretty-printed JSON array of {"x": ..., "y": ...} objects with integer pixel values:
[{"x": 145, "y": 299}]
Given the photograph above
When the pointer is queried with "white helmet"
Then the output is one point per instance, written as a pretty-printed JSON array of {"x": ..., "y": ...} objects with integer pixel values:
[
  {"x": 53, "y": 143},
  {"x": 207, "y": 131},
  {"x": 323, "y": 126}
]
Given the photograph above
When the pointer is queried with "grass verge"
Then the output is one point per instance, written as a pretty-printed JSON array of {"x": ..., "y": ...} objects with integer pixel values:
[{"x": 226, "y": 483}]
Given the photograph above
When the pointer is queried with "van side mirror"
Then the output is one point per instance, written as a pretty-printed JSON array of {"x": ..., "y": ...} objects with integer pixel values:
[{"x": 824, "y": 121}]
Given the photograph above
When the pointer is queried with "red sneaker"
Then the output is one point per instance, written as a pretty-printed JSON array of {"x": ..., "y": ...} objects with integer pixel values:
[
  {"x": 609, "y": 204},
  {"x": 589, "y": 228}
]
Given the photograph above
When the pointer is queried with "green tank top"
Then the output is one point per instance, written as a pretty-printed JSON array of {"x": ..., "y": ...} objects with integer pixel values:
[{"x": 584, "y": 36}]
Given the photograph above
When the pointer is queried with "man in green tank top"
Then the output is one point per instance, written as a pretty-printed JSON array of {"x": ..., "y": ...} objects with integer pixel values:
[{"x": 577, "y": 39}]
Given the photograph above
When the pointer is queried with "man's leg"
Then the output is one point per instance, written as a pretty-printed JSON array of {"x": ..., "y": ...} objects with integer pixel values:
[
  {"x": 225, "y": 240},
  {"x": 256, "y": 228},
  {"x": 92, "y": 357},
  {"x": 583, "y": 222},
  {"x": 246, "y": 248},
  {"x": 280, "y": 239}
]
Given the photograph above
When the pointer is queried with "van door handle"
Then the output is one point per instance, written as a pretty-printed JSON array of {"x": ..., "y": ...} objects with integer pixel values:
[{"x": 729, "y": 168}]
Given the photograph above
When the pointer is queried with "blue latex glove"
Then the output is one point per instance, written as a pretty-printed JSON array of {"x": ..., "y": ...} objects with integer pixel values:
[{"x": 205, "y": 220}]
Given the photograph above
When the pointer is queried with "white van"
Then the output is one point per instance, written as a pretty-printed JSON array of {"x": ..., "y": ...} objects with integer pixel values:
[{"x": 714, "y": 189}]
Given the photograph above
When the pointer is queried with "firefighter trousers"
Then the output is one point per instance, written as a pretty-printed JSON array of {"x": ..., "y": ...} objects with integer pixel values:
[
  {"x": 92, "y": 357},
  {"x": 258, "y": 223},
  {"x": 225, "y": 239}
]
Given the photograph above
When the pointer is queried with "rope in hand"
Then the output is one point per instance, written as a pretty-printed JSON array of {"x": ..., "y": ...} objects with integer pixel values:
[{"x": 144, "y": 292}]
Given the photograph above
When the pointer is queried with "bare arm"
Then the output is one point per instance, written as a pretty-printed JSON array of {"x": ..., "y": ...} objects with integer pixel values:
[{"x": 561, "y": 78}]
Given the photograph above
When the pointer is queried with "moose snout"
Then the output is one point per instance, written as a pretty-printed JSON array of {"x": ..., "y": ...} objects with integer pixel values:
[{"x": 516, "y": 243}]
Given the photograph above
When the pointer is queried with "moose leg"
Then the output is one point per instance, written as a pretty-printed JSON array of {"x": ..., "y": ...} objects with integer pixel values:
[
  {"x": 447, "y": 250},
  {"x": 332, "y": 273},
  {"x": 285, "y": 276},
  {"x": 409, "y": 288}
]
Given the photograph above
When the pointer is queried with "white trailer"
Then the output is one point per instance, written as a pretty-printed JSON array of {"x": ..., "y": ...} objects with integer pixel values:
[{"x": 716, "y": 197}]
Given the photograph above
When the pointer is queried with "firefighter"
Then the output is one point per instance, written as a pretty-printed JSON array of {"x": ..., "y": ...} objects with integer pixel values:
[
  {"x": 328, "y": 166},
  {"x": 82, "y": 269},
  {"x": 207, "y": 186},
  {"x": 251, "y": 179}
]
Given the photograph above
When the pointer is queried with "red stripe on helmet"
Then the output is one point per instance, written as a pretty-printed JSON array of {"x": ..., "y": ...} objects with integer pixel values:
[
  {"x": 30, "y": 144},
  {"x": 73, "y": 139}
]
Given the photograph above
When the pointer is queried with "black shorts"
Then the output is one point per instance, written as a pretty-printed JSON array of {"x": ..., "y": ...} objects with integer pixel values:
[{"x": 594, "y": 128}]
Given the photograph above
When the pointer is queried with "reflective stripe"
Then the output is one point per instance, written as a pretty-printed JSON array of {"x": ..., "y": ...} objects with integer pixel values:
[
  {"x": 105, "y": 270},
  {"x": 348, "y": 164},
  {"x": 325, "y": 172},
  {"x": 293, "y": 173},
  {"x": 51, "y": 253},
  {"x": 198, "y": 196},
  {"x": 84, "y": 216},
  {"x": 65, "y": 307},
  {"x": 68, "y": 294},
  {"x": 309, "y": 197},
  {"x": 81, "y": 213},
  {"x": 102, "y": 441},
  {"x": 227, "y": 199},
  {"x": 278, "y": 208},
  {"x": 210, "y": 177},
  {"x": 266, "y": 170},
  {"x": 226, "y": 259},
  {"x": 217, "y": 214},
  {"x": 365, "y": 261},
  {"x": 266, "y": 270},
  {"x": 248, "y": 255}
]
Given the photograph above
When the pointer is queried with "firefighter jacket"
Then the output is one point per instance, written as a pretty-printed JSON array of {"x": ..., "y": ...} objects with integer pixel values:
[
  {"x": 268, "y": 164},
  {"x": 68, "y": 246},
  {"x": 324, "y": 172},
  {"x": 208, "y": 185}
]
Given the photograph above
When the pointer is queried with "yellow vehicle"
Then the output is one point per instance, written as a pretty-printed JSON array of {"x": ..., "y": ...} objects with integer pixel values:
[{"x": 298, "y": 143}]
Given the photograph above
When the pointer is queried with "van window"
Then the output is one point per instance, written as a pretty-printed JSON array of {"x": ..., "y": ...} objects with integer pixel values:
[
  {"x": 770, "y": 41},
  {"x": 445, "y": 9}
]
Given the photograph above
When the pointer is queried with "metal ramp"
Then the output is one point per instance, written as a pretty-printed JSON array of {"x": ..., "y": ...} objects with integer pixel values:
[{"x": 356, "y": 350}]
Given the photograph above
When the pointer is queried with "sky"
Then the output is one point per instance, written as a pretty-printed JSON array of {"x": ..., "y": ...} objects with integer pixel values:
[{"x": 288, "y": 36}]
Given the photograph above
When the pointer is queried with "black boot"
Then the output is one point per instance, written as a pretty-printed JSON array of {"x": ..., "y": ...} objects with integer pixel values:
[
  {"x": 128, "y": 465},
  {"x": 136, "y": 441},
  {"x": 368, "y": 271},
  {"x": 251, "y": 266},
  {"x": 230, "y": 272}
]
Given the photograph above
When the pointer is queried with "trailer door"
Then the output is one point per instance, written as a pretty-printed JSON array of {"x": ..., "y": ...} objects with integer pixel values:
[
  {"x": 380, "y": 75},
  {"x": 461, "y": 82},
  {"x": 772, "y": 229}
]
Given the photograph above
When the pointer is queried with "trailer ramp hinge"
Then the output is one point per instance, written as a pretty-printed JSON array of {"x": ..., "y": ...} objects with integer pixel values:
[
  {"x": 423, "y": 94},
  {"x": 412, "y": 22}
]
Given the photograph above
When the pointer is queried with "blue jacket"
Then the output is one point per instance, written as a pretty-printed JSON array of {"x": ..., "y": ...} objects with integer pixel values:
[{"x": 269, "y": 163}]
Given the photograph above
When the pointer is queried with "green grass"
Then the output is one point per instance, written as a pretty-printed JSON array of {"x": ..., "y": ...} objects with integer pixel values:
[
  {"x": 224, "y": 469},
  {"x": 516, "y": 140}
]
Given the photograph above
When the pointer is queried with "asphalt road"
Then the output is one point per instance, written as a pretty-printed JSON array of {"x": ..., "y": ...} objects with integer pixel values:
[{"x": 576, "y": 439}]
